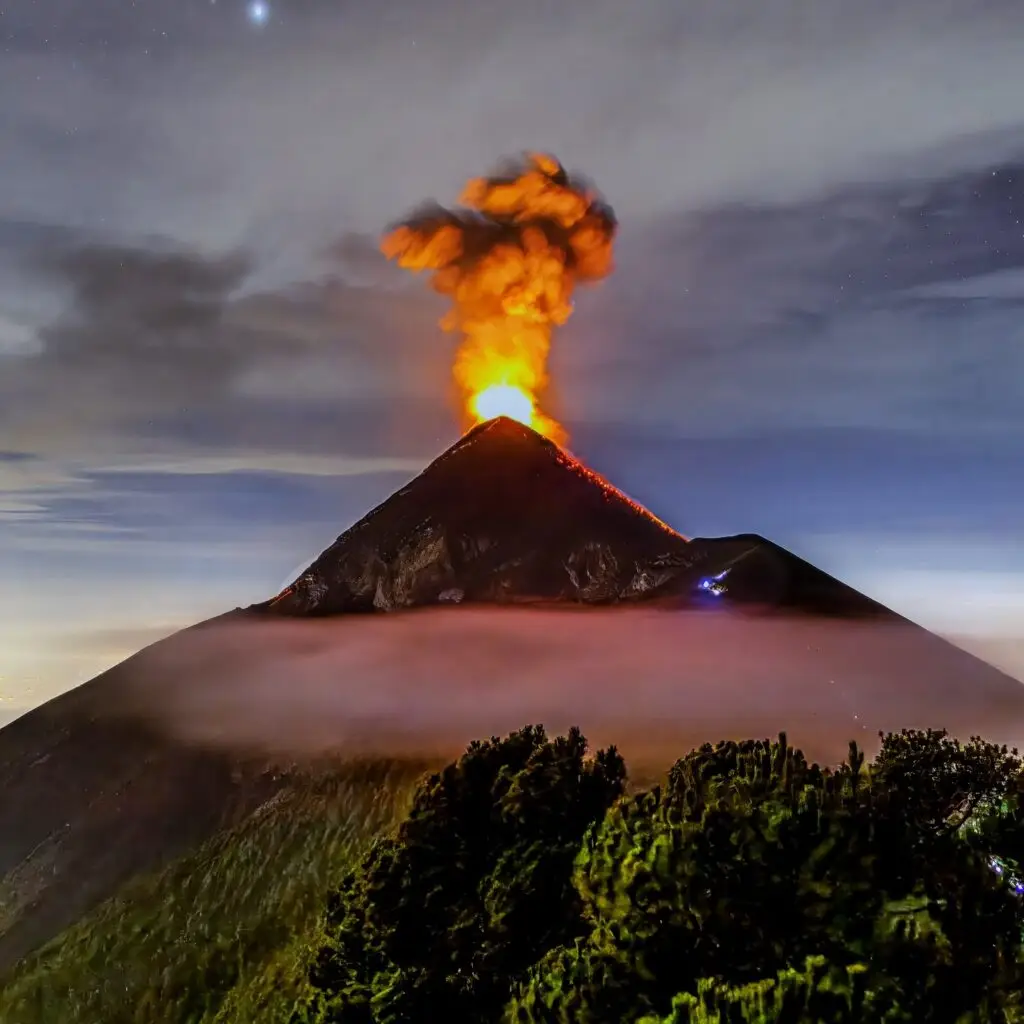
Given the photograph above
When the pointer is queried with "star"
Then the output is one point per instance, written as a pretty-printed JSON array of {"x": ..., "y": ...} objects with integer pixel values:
[{"x": 258, "y": 12}]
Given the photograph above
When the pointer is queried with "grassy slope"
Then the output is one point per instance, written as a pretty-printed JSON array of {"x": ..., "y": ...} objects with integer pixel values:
[{"x": 222, "y": 936}]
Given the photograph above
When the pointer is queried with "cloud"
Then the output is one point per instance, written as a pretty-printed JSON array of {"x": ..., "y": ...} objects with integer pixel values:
[
  {"x": 999, "y": 286},
  {"x": 736, "y": 321},
  {"x": 46, "y": 505},
  {"x": 646, "y": 679},
  {"x": 152, "y": 333},
  {"x": 775, "y": 259},
  {"x": 270, "y": 462},
  {"x": 26, "y": 482},
  {"x": 163, "y": 362},
  {"x": 15, "y": 338},
  {"x": 845, "y": 311},
  {"x": 352, "y": 120}
]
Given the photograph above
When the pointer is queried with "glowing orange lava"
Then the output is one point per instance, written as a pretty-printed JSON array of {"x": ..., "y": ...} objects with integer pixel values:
[
  {"x": 503, "y": 400},
  {"x": 515, "y": 403},
  {"x": 509, "y": 259}
]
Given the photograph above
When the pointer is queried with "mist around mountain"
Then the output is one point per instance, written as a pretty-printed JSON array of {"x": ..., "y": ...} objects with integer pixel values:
[{"x": 190, "y": 736}]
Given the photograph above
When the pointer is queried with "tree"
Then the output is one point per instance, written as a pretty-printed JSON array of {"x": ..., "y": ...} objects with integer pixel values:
[
  {"x": 942, "y": 783},
  {"x": 443, "y": 917},
  {"x": 816, "y": 994},
  {"x": 527, "y": 888},
  {"x": 749, "y": 861}
]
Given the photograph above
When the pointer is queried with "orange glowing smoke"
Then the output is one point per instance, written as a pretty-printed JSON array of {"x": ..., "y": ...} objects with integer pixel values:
[{"x": 510, "y": 259}]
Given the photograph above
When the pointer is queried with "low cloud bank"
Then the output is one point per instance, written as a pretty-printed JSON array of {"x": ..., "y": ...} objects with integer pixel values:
[{"x": 655, "y": 682}]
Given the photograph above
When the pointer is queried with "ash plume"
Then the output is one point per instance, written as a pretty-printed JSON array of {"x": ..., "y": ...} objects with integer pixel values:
[{"x": 509, "y": 257}]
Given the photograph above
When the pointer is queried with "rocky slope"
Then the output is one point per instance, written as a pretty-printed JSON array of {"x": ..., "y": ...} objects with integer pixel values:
[
  {"x": 503, "y": 515},
  {"x": 506, "y": 516}
]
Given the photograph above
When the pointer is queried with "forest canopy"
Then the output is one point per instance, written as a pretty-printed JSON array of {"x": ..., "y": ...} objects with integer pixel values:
[{"x": 530, "y": 884}]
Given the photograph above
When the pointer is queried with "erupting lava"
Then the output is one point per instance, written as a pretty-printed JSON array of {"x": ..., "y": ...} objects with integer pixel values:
[
  {"x": 510, "y": 259},
  {"x": 503, "y": 400}
]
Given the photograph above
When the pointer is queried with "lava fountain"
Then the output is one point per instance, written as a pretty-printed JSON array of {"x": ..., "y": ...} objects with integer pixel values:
[{"x": 509, "y": 257}]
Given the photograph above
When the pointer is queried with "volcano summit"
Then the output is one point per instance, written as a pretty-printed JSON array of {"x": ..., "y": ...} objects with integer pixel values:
[
  {"x": 507, "y": 516},
  {"x": 503, "y": 515}
]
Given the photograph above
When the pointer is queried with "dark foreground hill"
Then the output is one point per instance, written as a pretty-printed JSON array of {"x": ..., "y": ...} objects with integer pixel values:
[
  {"x": 892, "y": 894},
  {"x": 620, "y": 624}
]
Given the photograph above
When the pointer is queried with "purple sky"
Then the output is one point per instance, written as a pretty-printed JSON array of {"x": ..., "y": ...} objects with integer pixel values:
[{"x": 815, "y": 330}]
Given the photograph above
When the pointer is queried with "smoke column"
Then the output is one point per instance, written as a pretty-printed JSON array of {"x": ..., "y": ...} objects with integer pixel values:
[{"x": 509, "y": 258}]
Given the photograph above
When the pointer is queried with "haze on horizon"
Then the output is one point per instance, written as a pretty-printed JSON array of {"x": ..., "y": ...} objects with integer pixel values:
[{"x": 208, "y": 371}]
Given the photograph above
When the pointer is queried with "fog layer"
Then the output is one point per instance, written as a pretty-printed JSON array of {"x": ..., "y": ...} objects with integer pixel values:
[{"x": 653, "y": 681}]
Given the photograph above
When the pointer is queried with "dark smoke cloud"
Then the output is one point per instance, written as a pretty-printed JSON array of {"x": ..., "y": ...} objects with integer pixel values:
[
  {"x": 533, "y": 193},
  {"x": 173, "y": 347}
]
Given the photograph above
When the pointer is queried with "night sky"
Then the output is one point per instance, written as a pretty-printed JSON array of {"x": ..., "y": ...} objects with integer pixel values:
[{"x": 815, "y": 330}]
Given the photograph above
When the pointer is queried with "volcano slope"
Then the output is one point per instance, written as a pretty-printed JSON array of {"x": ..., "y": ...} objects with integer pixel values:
[
  {"x": 503, "y": 515},
  {"x": 506, "y": 516},
  {"x": 617, "y": 623}
]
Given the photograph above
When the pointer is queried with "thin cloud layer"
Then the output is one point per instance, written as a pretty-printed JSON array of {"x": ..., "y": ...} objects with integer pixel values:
[
  {"x": 731, "y": 103},
  {"x": 655, "y": 682}
]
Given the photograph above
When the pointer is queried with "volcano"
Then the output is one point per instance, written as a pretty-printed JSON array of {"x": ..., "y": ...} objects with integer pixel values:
[
  {"x": 503, "y": 515},
  {"x": 507, "y": 516},
  {"x": 506, "y": 584}
]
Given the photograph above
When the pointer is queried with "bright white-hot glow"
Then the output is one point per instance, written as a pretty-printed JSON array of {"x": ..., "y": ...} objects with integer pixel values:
[
  {"x": 259, "y": 12},
  {"x": 503, "y": 400}
]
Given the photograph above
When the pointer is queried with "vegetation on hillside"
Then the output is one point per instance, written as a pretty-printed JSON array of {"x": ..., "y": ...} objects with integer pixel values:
[
  {"x": 225, "y": 934},
  {"x": 528, "y": 884},
  {"x": 525, "y": 888}
]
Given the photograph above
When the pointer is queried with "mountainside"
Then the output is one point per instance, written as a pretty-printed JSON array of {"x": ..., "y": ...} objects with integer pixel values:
[
  {"x": 502, "y": 515},
  {"x": 89, "y": 798},
  {"x": 148, "y": 957},
  {"x": 506, "y": 516},
  {"x": 707, "y": 638}
]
